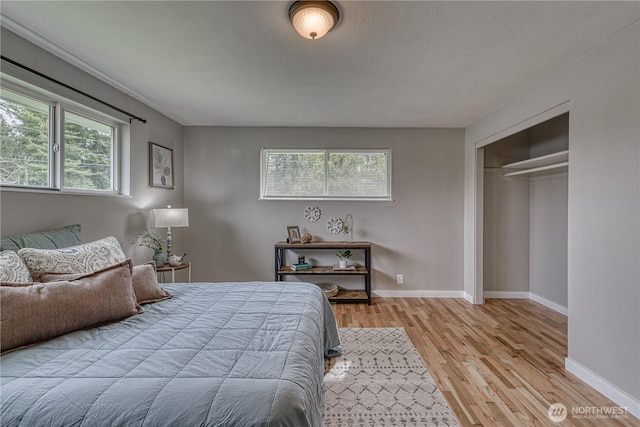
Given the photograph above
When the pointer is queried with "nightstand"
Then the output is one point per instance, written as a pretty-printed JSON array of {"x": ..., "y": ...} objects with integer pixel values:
[{"x": 173, "y": 270}]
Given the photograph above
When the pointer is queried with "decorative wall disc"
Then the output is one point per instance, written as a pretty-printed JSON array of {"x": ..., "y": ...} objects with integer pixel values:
[
  {"x": 312, "y": 213},
  {"x": 335, "y": 225}
]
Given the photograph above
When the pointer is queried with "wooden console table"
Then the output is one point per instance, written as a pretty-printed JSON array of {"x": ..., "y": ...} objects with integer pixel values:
[{"x": 344, "y": 296}]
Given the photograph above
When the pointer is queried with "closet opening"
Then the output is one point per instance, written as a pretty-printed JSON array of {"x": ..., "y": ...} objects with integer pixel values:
[{"x": 525, "y": 211}]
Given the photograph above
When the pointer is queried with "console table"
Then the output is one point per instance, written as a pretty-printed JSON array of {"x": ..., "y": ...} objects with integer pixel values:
[{"x": 282, "y": 269}]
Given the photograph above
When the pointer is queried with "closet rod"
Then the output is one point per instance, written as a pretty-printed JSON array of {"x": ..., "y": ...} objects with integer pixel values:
[{"x": 51, "y": 79}]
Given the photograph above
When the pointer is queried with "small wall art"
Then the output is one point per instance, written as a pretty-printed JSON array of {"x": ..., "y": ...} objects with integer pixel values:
[
  {"x": 294, "y": 234},
  {"x": 312, "y": 213},
  {"x": 160, "y": 166}
]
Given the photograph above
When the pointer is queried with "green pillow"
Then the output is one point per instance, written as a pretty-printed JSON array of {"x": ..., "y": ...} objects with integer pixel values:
[{"x": 50, "y": 239}]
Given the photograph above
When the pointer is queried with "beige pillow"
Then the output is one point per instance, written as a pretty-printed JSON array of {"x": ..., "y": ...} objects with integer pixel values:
[
  {"x": 145, "y": 284},
  {"x": 13, "y": 269},
  {"x": 31, "y": 313},
  {"x": 144, "y": 278},
  {"x": 85, "y": 258}
]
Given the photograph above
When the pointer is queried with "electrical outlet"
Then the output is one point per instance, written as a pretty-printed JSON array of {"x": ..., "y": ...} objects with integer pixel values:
[{"x": 400, "y": 279}]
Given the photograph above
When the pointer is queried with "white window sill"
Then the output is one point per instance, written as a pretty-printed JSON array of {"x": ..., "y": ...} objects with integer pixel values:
[{"x": 64, "y": 192}]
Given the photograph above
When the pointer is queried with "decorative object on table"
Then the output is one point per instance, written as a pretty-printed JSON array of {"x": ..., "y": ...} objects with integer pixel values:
[
  {"x": 300, "y": 259},
  {"x": 328, "y": 289},
  {"x": 347, "y": 227},
  {"x": 161, "y": 218},
  {"x": 160, "y": 166},
  {"x": 301, "y": 266},
  {"x": 312, "y": 213},
  {"x": 306, "y": 238},
  {"x": 293, "y": 231},
  {"x": 175, "y": 260},
  {"x": 158, "y": 258},
  {"x": 335, "y": 225},
  {"x": 152, "y": 241},
  {"x": 344, "y": 256}
]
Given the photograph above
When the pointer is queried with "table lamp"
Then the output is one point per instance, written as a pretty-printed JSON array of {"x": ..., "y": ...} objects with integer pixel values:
[{"x": 161, "y": 218}]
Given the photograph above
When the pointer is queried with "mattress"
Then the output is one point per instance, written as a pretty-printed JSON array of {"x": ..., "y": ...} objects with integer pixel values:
[{"x": 223, "y": 354}]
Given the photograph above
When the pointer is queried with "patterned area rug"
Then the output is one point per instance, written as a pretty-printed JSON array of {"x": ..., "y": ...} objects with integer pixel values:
[{"x": 380, "y": 380}]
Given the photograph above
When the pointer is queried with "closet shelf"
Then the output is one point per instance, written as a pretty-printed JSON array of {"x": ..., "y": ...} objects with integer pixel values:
[{"x": 537, "y": 164}]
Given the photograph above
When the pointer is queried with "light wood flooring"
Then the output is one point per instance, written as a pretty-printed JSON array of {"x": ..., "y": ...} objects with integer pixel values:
[{"x": 501, "y": 363}]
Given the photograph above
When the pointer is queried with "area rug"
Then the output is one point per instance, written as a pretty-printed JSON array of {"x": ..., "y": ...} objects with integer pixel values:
[{"x": 380, "y": 380}]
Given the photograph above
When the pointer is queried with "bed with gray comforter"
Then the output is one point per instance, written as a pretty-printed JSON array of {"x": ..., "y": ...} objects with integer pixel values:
[{"x": 225, "y": 354}]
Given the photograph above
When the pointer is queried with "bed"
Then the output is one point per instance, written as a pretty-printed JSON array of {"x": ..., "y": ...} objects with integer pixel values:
[{"x": 215, "y": 354}]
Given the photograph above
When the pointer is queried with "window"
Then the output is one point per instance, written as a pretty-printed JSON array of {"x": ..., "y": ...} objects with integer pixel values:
[
  {"x": 325, "y": 174},
  {"x": 79, "y": 156},
  {"x": 25, "y": 140},
  {"x": 88, "y": 153}
]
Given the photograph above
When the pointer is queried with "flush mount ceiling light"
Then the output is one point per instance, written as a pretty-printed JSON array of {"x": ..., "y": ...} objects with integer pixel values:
[{"x": 313, "y": 19}]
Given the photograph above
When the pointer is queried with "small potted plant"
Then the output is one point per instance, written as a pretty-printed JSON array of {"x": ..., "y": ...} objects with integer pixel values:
[
  {"x": 344, "y": 256},
  {"x": 152, "y": 241}
]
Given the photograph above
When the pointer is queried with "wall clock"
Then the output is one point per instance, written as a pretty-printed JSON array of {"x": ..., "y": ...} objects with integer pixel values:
[
  {"x": 335, "y": 225},
  {"x": 312, "y": 213}
]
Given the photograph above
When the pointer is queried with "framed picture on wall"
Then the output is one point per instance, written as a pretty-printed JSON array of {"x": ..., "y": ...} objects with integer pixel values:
[
  {"x": 160, "y": 166},
  {"x": 294, "y": 234}
]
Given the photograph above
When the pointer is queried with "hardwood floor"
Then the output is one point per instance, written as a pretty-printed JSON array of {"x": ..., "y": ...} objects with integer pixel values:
[{"x": 501, "y": 363}]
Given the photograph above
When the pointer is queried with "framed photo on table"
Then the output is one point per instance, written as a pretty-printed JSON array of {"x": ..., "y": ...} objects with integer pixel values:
[
  {"x": 294, "y": 234},
  {"x": 160, "y": 166}
]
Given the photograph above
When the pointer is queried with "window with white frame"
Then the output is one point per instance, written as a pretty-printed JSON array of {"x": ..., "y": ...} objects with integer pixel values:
[
  {"x": 351, "y": 174},
  {"x": 46, "y": 143}
]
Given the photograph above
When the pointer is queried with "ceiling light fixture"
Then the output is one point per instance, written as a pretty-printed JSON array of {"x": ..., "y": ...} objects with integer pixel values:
[{"x": 313, "y": 19}]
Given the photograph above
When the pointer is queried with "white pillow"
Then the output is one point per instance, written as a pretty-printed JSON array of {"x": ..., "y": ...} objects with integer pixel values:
[
  {"x": 13, "y": 269},
  {"x": 86, "y": 258}
]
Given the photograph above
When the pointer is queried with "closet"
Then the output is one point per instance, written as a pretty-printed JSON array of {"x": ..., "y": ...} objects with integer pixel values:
[{"x": 525, "y": 214}]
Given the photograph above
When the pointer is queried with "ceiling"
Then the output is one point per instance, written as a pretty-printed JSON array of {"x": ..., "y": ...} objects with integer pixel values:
[{"x": 386, "y": 64}]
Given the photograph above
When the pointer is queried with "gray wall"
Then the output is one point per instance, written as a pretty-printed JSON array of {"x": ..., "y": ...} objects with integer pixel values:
[
  {"x": 548, "y": 237},
  {"x": 99, "y": 216},
  {"x": 419, "y": 234},
  {"x": 603, "y": 89}
]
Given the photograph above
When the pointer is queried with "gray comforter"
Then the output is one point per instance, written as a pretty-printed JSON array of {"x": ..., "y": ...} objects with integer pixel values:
[{"x": 232, "y": 354}]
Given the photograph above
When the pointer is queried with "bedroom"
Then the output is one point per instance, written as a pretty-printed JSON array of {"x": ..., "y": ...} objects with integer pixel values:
[{"x": 430, "y": 223}]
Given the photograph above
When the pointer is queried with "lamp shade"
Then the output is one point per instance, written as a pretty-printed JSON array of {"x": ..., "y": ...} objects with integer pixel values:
[
  {"x": 170, "y": 218},
  {"x": 313, "y": 19}
]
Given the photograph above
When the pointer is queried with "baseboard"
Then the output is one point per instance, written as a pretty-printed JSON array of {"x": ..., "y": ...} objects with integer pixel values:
[
  {"x": 384, "y": 293},
  {"x": 506, "y": 295},
  {"x": 527, "y": 295},
  {"x": 468, "y": 297},
  {"x": 549, "y": 304},
  {"x": 618, "y": 396},
  {"x": 418, "y": 294}
]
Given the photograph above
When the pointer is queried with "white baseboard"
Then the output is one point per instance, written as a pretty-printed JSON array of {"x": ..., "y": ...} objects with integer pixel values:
[
  {"x": 385, "y": 293},
  {"x": 527, "y": 295},
  {"x": 506, "y": 295},
  {"x": 468, "y": 297},
  {"x": 418, "y": 294},
  {"x": 549, "y": 304},
  {"x": 601, "y": 385}
]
